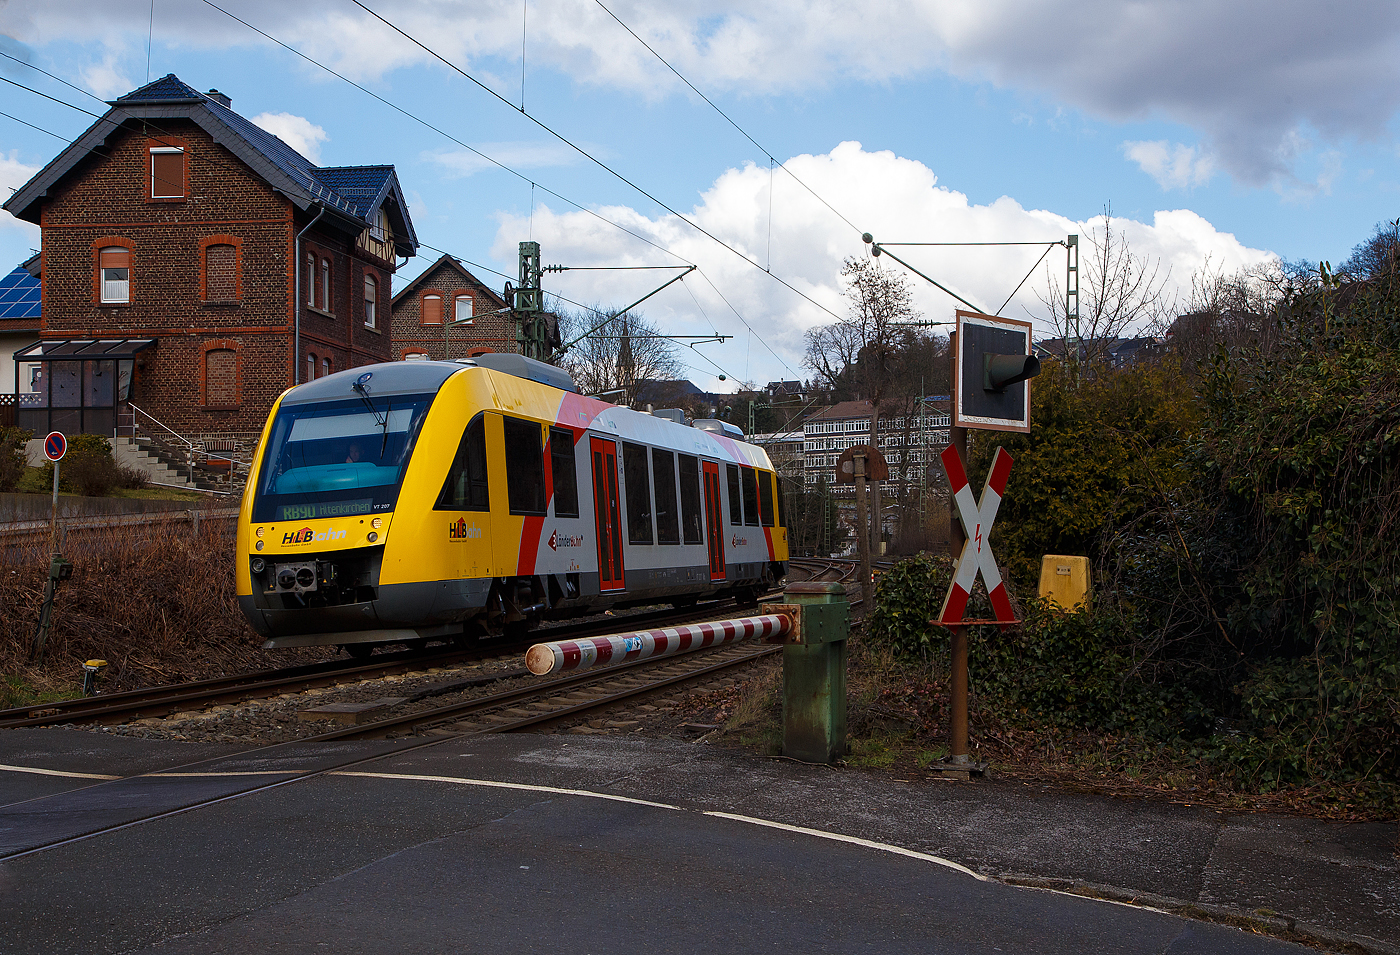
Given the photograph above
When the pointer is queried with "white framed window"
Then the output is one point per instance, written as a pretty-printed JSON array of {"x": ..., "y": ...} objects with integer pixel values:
[
  {"x": 462, "y": 308},
  {"x": 371, "y": 298},
  {"x": 114, "y": 266},
  {"x": 325, "y": 367},
  {"x": 326, "y": 285},
  {"x": 310, "y": 367},
  {"x": 167, "y": 172}
]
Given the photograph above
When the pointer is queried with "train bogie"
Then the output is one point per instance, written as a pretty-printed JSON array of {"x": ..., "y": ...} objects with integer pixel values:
[{"x": 431, "y": 499}]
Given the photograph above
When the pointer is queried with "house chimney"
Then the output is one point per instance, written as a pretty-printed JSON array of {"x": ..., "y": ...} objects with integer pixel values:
[{"x": 224, "y": 101}]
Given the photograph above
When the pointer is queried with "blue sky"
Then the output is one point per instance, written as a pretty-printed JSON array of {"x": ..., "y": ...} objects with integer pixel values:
[{"x": 1225, "y": 133}]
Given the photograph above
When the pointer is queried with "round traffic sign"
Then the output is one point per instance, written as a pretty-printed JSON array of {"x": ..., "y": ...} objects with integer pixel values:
[{"x": 55, "y": 445}]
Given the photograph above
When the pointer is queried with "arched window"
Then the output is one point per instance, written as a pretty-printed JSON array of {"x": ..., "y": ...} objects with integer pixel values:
[
  {"x": 220, "y": 377},
  {"x": 371, "y": 289},
  {"x": 415, "y": 356},
  {"x": 309, "y": 280},
  {"x": 325, "y": 367},
  {"x": 431, "y": 309},
  {"x": 310, "y": 366},
  {"x": 462, "y": 308},
  {"x": 326, "y": 285},
  {"x": 220, "y": 273},
  {"x": 114, "y": 266}
]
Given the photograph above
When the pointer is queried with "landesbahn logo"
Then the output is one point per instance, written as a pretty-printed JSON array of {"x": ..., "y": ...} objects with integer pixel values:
[
  {"x": 306, "y": 535},
  {"x": 459, "y": 531},
  {"x": 557, "y": 540}
]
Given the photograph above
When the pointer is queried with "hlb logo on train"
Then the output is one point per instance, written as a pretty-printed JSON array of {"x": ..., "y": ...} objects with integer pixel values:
[
  {"x": 306, "y": 535},
  {"x": 459, "y": 531}
]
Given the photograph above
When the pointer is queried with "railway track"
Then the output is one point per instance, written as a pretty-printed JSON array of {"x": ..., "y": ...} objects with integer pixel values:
[{"x": 162, "y": 701}]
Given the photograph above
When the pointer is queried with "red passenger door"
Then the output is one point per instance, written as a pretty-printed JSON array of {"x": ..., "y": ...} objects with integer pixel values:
[
  {"x": 714, "y": 520},
  {"x": 608, "y": 511}
]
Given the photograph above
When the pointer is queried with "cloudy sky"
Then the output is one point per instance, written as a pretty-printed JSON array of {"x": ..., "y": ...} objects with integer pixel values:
[{"x": 1220, "y": 131}]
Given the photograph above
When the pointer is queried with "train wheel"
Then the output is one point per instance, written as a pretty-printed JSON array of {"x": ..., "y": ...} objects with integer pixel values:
[{"x": 359, "y": 651}]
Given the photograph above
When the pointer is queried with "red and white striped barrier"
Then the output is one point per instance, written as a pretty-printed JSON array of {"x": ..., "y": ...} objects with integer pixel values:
[
  {"x": 977, "y": 520},
  {"x": 545, "y": 659}
]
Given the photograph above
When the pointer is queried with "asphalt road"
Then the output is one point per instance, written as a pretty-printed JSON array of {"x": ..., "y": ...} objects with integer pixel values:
[{"x": 567, "y": 844}]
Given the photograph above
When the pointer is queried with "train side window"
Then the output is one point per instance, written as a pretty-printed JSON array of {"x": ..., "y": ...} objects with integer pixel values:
[
  {"x": 663, "y": 473},
  {"x": 750, "y": 497},
  {"x": 782, "y": 508},
  {"x": 690, "y": 500},
  {"x": 564, "y": 472},
  {"x": 736, "y": 512},
  {"x": 465, "y": 488},
  {"x": 765, "y": 496},
  {"x": 524, "y": 467},
  {"x": 634, "y": 471}
]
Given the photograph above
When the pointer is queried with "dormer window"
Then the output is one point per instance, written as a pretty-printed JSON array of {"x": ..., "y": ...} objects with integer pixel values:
[
  {"x": 167, "y": 172},
  {"x": 380, "y": 230}
]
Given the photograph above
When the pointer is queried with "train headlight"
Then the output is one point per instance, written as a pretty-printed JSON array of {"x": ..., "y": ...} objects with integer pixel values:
[
  {"x": 258, "y": 565},
  {"x": 258, "y": 545},
  {"x": 259, "y": 532},
  {"x": 372, "y": 537},
  {"x": 377, "y": 523}
]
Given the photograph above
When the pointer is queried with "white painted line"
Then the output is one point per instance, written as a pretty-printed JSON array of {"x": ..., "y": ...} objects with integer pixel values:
[
  {"x": 523, "y": 787},
  {"x": 250, "y": 772},
  {"x": 54, "y": 772},
  {"x": 853, "y": 840}
]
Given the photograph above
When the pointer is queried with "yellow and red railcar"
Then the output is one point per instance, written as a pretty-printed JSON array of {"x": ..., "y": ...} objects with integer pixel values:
[{"x": 426, "y": 499}]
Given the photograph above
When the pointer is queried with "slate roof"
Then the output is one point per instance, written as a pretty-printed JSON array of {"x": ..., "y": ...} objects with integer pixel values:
[
  {"x": 353, "y": 191},
  {"x": 20, "y": 295}
]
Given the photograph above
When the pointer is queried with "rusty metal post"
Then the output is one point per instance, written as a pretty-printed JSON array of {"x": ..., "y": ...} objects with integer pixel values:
[{"x": 862, "y": 531}]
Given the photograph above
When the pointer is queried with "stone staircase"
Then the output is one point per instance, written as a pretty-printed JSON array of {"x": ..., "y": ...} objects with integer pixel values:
[{"x": 170, "y": 466}]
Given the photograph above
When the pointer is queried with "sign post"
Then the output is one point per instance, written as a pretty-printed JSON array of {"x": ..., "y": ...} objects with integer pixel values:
[
  {"x": 992, "y": 365},
  {"x": 858, "y": 463},
  {"x": 55, "y": 447}
]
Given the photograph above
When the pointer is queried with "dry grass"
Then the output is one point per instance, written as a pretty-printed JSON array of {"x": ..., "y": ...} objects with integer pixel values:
[{"x": 156, "y": 602}]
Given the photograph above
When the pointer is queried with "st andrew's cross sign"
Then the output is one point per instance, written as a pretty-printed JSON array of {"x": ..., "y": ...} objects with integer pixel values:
[{"x": 977, "y": 520}]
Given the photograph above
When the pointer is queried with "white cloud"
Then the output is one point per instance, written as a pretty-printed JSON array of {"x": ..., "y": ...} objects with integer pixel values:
[
  {"x": 296, "y": 131},
  {"x": 457, "y": 163},
  {"x": 898, "y": 199},
  {"x": 1176, "y": 167},
  {"x": 106, "y": 79},
  {"x": 14, "y": 174},
  {"x": 1247, "y": 74}
]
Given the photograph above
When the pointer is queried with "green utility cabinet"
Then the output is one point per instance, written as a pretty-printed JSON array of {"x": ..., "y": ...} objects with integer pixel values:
[{"x": 814, "y": 671}]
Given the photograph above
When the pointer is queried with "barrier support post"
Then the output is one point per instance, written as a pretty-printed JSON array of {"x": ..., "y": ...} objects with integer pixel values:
[{"x": 814, "y": 673}]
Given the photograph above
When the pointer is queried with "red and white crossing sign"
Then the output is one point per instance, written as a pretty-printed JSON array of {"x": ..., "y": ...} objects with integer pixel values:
[{"x": 977, "y": 520}]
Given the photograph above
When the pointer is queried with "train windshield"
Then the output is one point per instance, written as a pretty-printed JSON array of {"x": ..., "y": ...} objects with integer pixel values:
[{"x": 337, "y": 458}]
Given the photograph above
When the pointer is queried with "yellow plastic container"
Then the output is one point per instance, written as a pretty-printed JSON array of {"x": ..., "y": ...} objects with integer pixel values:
[{"x": 1065, "y": 580}]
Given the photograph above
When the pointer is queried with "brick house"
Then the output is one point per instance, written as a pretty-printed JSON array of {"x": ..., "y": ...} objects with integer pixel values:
[
  {"x": 194, "y": 266},
  {"x": 446, "y": 292},
  {"x": 20, "y": 307}
]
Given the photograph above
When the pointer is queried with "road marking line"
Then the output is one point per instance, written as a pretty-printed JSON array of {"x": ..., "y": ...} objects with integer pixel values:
[
  {"x": 494, "y": 784},
  {"x": 852, "y": 840},
  {"x": 54, "y": 772},
  {"x": 249, "y": 772}
]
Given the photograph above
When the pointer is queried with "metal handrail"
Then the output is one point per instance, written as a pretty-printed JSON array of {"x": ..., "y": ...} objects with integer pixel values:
[{"x": 191, "y": 447}]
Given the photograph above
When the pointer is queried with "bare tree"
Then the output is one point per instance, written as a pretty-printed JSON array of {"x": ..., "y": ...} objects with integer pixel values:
[
  {"x": 1377, "y": 256},
  {"x": 858, "y": 354},
  {"x": 618, "y": 353},
  {"x": 1119, "y": 291}
]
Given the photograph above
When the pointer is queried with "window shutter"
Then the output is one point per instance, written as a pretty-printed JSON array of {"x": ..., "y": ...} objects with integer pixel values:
[
  {"x": 167, "y": 174},
  {"x": 432, "y": 309}
]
